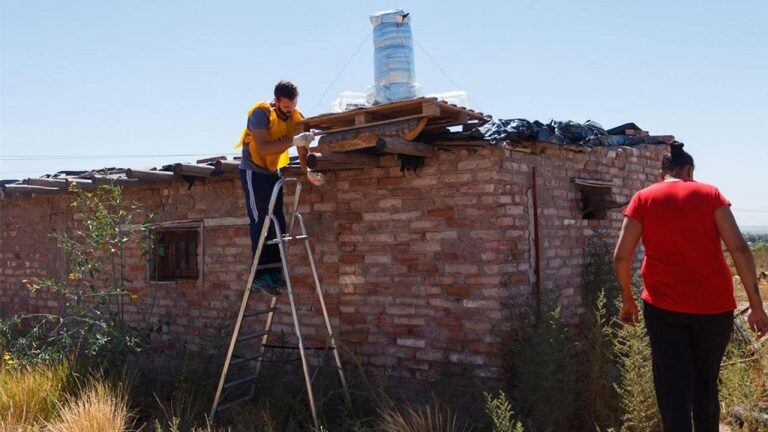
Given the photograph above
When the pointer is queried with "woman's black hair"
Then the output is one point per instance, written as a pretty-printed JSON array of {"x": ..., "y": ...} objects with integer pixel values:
[{"x": 677, "y": 158}]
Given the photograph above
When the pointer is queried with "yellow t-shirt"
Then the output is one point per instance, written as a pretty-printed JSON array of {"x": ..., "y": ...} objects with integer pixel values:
[{"x": 277, "y": 130}]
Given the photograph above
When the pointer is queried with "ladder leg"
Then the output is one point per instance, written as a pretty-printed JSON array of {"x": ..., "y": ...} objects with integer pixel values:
[
  {"x": 251, "y": 276},
  {"x": 294, "y": 209},
  {"x": 307, "y": 380},
  {"x": 327, "y": 320}
]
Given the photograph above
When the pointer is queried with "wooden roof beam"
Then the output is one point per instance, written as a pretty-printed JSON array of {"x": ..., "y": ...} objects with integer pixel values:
[
  {"x": 339, "y": 161},
  {"x": 152, "y": 176},
  {"x": 21, "y": 189},
  {"x": 46, "y": 182},
  {"x": 401, "y": 146}
]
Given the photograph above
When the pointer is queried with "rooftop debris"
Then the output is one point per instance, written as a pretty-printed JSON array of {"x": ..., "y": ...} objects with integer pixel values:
[{"x": 564, "y": 133}]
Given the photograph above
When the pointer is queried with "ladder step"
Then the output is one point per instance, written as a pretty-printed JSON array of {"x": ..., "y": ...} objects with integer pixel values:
[
  {"x": 233, "y": 403},
  {"x": 238, "y": 359},
  {"x": 296, "y": 347},
  {"x": 258, "y": 312},
  {"x": 249, "y": 336},
  {"x": 287, "y": 239},
  {"x": 240, "y": 381}
]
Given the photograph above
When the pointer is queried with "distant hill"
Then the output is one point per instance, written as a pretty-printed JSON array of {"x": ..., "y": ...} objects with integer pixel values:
[{"x": 755, "y": 229}]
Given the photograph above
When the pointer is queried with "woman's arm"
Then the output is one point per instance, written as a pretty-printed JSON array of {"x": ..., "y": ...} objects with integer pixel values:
[
  {"x": 745, "y": 267},
  {"x": 631, "y": 231}
]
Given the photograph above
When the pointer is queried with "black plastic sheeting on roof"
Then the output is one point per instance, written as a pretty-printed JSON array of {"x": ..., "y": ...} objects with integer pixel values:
[{"x": 588, "y": 134}]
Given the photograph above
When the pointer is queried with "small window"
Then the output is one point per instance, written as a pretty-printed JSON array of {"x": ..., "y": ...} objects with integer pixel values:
[
  {"x": 596, "y": 198},
  {"x": 175, "y": 255}
]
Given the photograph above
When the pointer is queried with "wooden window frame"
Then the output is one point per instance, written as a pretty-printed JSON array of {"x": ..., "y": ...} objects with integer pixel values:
[
  {"x": 596, "y": 198},
  {"x": 186, "y": 225}
]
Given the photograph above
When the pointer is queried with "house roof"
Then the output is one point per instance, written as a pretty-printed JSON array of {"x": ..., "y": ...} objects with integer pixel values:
[
  {"x": 63, "y": 181},
  {"x": 516, "y": 134}
]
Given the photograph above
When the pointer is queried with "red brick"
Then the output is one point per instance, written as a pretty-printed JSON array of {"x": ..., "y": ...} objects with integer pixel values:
[{"x": 441, "y": 213}]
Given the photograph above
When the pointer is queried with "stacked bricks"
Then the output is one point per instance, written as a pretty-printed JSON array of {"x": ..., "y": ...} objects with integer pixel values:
[{"x": 424, "y": 273}]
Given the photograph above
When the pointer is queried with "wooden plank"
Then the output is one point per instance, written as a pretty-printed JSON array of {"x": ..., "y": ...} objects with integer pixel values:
[
  {"x": 226, "y": 166},
  {"x": 378, "y": 123},
  {"x": 410, "y": 103},
  {"x": 407, "y": 107},
  {"x": 152, "y": 176},
  {"x": 449, "y": 109},
  {"x": 364, "y": 140},
  {"x": 598, "y": 183},
  {"x": 114, "y": 181},
  {"x": 430, "y": 108},
  {"x": 192, "y": 170},
  {"x": 326, "y": 161},
  {"x": 410, "y": 136},
  {"x": 362, "y": 118},
  {"x": 401, "y": 146},
  {"x": 46, "y": 182},
  {"x": 211, "y": 159},
  {"x": 20, "y": 189}
]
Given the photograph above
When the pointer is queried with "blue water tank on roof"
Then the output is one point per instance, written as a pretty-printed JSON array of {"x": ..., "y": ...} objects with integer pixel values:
[{"x": 393, "y": 66}]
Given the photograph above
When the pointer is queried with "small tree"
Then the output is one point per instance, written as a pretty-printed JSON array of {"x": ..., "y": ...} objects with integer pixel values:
[{"x": 95, "y": 290}]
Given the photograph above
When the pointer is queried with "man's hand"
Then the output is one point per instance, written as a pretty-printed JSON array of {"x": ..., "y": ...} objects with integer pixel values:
[
  {"x": 303, "y": 139},
  {"x": 758, "y": 321},
  {"x": 628, "y": 313}
]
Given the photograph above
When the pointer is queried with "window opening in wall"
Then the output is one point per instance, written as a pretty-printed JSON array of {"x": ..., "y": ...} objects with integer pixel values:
[
  {"x": 175, "y": 255},
  {"x": 596, "y": 198}
]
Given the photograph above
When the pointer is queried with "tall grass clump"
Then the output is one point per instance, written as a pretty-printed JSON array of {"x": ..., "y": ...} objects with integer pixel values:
[
  {"x": 30, "y": 395},
  {"x": 432, "y": 418},
  {"x": 98, "y": 408}
]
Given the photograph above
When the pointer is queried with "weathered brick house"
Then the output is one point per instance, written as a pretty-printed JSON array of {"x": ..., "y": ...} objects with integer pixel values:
[{"x": 422, "y": 270}]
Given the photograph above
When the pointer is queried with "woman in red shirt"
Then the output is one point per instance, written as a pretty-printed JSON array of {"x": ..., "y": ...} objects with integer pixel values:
[{"x": 687, "y": 292}]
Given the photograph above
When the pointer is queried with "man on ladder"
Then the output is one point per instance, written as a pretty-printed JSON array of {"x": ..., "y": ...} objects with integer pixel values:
[
  {"x": 265, "y": 145},
  {"x": 270, "y": 132}
]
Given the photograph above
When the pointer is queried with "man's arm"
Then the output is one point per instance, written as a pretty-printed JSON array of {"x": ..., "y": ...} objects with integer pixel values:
[
  {"x": 260, "y": 137},
  {"x": 745, "y": 267},
  {"x": 303, "y": 151},
  {"x": 631, "y": 231}
]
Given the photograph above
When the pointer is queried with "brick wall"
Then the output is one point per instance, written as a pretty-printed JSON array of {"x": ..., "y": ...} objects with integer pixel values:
[{"x": 423, "y": 272}]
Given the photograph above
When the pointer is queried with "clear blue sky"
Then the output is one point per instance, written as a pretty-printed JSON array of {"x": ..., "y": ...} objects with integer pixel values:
[{"x": 96, "y": 78}]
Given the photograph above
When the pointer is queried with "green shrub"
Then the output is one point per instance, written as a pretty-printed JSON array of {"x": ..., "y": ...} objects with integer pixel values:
[
  {"x": 500, "y": 412},
  {"x": 546, "y": 374},
  {"x": 638, "y": 398}
]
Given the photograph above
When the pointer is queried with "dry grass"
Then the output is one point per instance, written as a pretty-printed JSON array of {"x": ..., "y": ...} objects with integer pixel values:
[
  {"x": 46, "y": 398},
  {"x": 98, "y": 409},
  {"x": 436, "y": 418},
  {"x": 29, "y": 396}
]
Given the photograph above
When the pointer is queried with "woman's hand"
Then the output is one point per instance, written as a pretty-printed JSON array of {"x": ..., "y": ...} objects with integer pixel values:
[
  {"x": 629, "y": 311},
  {"x": 758, "y": 321}
]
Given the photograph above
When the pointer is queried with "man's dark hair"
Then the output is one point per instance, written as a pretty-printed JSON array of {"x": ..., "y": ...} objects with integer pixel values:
[
  {"x": 286, "y": 90},
  {"x": 677, "y": 158}
]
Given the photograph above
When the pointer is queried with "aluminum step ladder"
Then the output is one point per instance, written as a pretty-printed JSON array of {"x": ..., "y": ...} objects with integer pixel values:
[{"x": 255, "y": 359}]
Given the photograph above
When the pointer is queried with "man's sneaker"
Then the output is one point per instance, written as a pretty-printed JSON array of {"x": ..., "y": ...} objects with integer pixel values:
[
  {"x": 277, "y": 278},
  {"x": 264, "y": 282}
]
